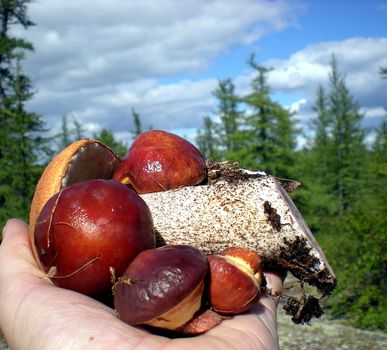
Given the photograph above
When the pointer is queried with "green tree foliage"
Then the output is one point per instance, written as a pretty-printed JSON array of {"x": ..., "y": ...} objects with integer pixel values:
[
  {"x": 78, "y": 131},
  {"x": 21, "y": 142},
  {"x": 107, "y": 138},
  {"x": 355, "y": 246},
  {"x": 65, "y": 134},
  {"x": 253, "y": 130},
  {"x": 343, "y": 192},
  {"x": 69, "y": 133},
  {"x": 137, "y": 130},
  {"x": 314, "y": 166},
  {"x": 266, "y": 136},
  {"x": 74, "y": 132},
  {"x": 229, "y": 115},
  {"x": 333, "y": 168},
  {"x": 347, "y": 138},
  {"x": 345, "y": 185},
  {"x": 380, "y": 146},
  {"x": 207, "y": 139},
  {"x": 12, "y": 12},
  {"x": 217, "y": 139}
]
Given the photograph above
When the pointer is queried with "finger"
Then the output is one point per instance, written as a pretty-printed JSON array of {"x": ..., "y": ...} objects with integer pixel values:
[
  {"x": 15, "y": 250},
  {"x": 257, "y": 328},
  {"x": 275, "y": 280},
  {"x": 15, "y": 230},
  {"x": 274, "y": 284}
]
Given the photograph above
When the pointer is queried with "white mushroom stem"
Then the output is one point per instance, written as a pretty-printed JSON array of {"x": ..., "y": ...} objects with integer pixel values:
[{"x": 249, "y": 210}]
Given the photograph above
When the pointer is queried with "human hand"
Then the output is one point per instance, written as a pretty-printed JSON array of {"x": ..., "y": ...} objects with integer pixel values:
[{"x": 34, "y": 314}]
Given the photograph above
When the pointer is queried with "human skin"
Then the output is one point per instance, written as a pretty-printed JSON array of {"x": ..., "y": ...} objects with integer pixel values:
[{"x": 34, "y": 314}]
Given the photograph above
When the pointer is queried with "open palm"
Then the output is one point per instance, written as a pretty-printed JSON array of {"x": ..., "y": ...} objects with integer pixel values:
[{"x": 34, "y": 314}]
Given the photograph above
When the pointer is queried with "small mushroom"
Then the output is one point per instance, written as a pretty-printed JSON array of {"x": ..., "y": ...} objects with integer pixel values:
[
  {"x": 235, "y": 279},
  {"x": 162, "y": 287}
]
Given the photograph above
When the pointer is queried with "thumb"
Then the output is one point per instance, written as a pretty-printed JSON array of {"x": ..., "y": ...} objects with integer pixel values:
[
  {"x": 275, "y": 280},
  {"x": 15, "y": 249},
  {"x": 274, "y": 284},
  {"x": 15, "y": 231}
]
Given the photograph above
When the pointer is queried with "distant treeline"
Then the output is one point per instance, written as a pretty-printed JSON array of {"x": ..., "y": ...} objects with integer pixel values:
[{"x": 343, "y": 192}]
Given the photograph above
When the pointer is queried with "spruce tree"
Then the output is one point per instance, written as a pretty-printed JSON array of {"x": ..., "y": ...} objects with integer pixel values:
[
  {"x": 334, "y": 169},
  {"x": 322, "y": 124},
  {"x": 378, "y": 160},
  {"x": 207, "y": 139},
  {"x": 316, "y": 198},
  {"x": 78, "y": 131},
  {"x": 107, "y": 138},
  {"x": 345, "y": 184},
  {"x": 261, "y": 137},
  {"x": 22, "y": 145},
  {"x": 217, "y": 140},
  {"x": 68, "y": 133},
  {"x": 229, "y": 116},
  {"x": 137, "y": 123},
  {"x": 266, "y": 136},
  {"x": 12, "y": 12},
  {"x": 378, "y": 168},
  {"x": 65, "y": 134},
  {"x": 348, "y": 140}
]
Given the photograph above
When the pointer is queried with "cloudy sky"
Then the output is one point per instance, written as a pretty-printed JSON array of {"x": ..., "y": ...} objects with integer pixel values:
[{"x": 95, "y": 60}]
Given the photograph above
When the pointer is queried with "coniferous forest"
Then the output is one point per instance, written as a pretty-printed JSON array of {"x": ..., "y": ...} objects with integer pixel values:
[{"x": 343, "y": 178}]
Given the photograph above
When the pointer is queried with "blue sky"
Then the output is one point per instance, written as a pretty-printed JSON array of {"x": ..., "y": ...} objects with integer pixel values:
[
  {"x": 318, "y": 21},
  {"x": 164, "y": 58}
]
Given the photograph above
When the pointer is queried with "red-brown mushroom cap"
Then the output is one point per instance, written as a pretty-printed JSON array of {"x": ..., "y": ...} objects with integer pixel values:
[
  {"x": 159, "y": 161},
  {"x": 233, "y": 287},
  {"x": 157, "y": 280},
  {"x": 88, "y": 227},
  {"x": 80, "y": 161}
]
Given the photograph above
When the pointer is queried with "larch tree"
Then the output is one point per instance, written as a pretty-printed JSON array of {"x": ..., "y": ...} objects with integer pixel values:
[
  {"x": 137, "y": 127},
  {"x": 348, "y": 140},
  {"x": 107, "y": 137},
  {"x": 217, "y": 138},
  {"x": 228, "y": 115},
  {"x": 267, "y": 134},
  {"x": 315, "y": 167},
  {"x": 22, "y": 144},
  {"x": 65, "y": 133},
  {"x": 207, "y": 139}
]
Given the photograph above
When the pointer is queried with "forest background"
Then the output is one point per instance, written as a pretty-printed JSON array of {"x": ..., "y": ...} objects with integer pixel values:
[{"x": 343, "y": 178}]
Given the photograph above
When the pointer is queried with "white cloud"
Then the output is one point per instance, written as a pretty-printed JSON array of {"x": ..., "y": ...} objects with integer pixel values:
[
  {"x": 297, "y": 106},
  {"x": 91, "y": 41},
  {"x": 297, "y": 78},
  {"x": 374, "y": 112},
  {"x": 359, "y": 59},
  {"x": 96, "y": 59}
]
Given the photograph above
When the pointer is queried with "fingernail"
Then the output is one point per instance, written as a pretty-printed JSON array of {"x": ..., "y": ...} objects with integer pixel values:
[{"x": 5, "y": 228}]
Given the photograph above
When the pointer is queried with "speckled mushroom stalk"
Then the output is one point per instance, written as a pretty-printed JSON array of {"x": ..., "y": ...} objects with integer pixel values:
[{"x": 242, "y": 209}]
